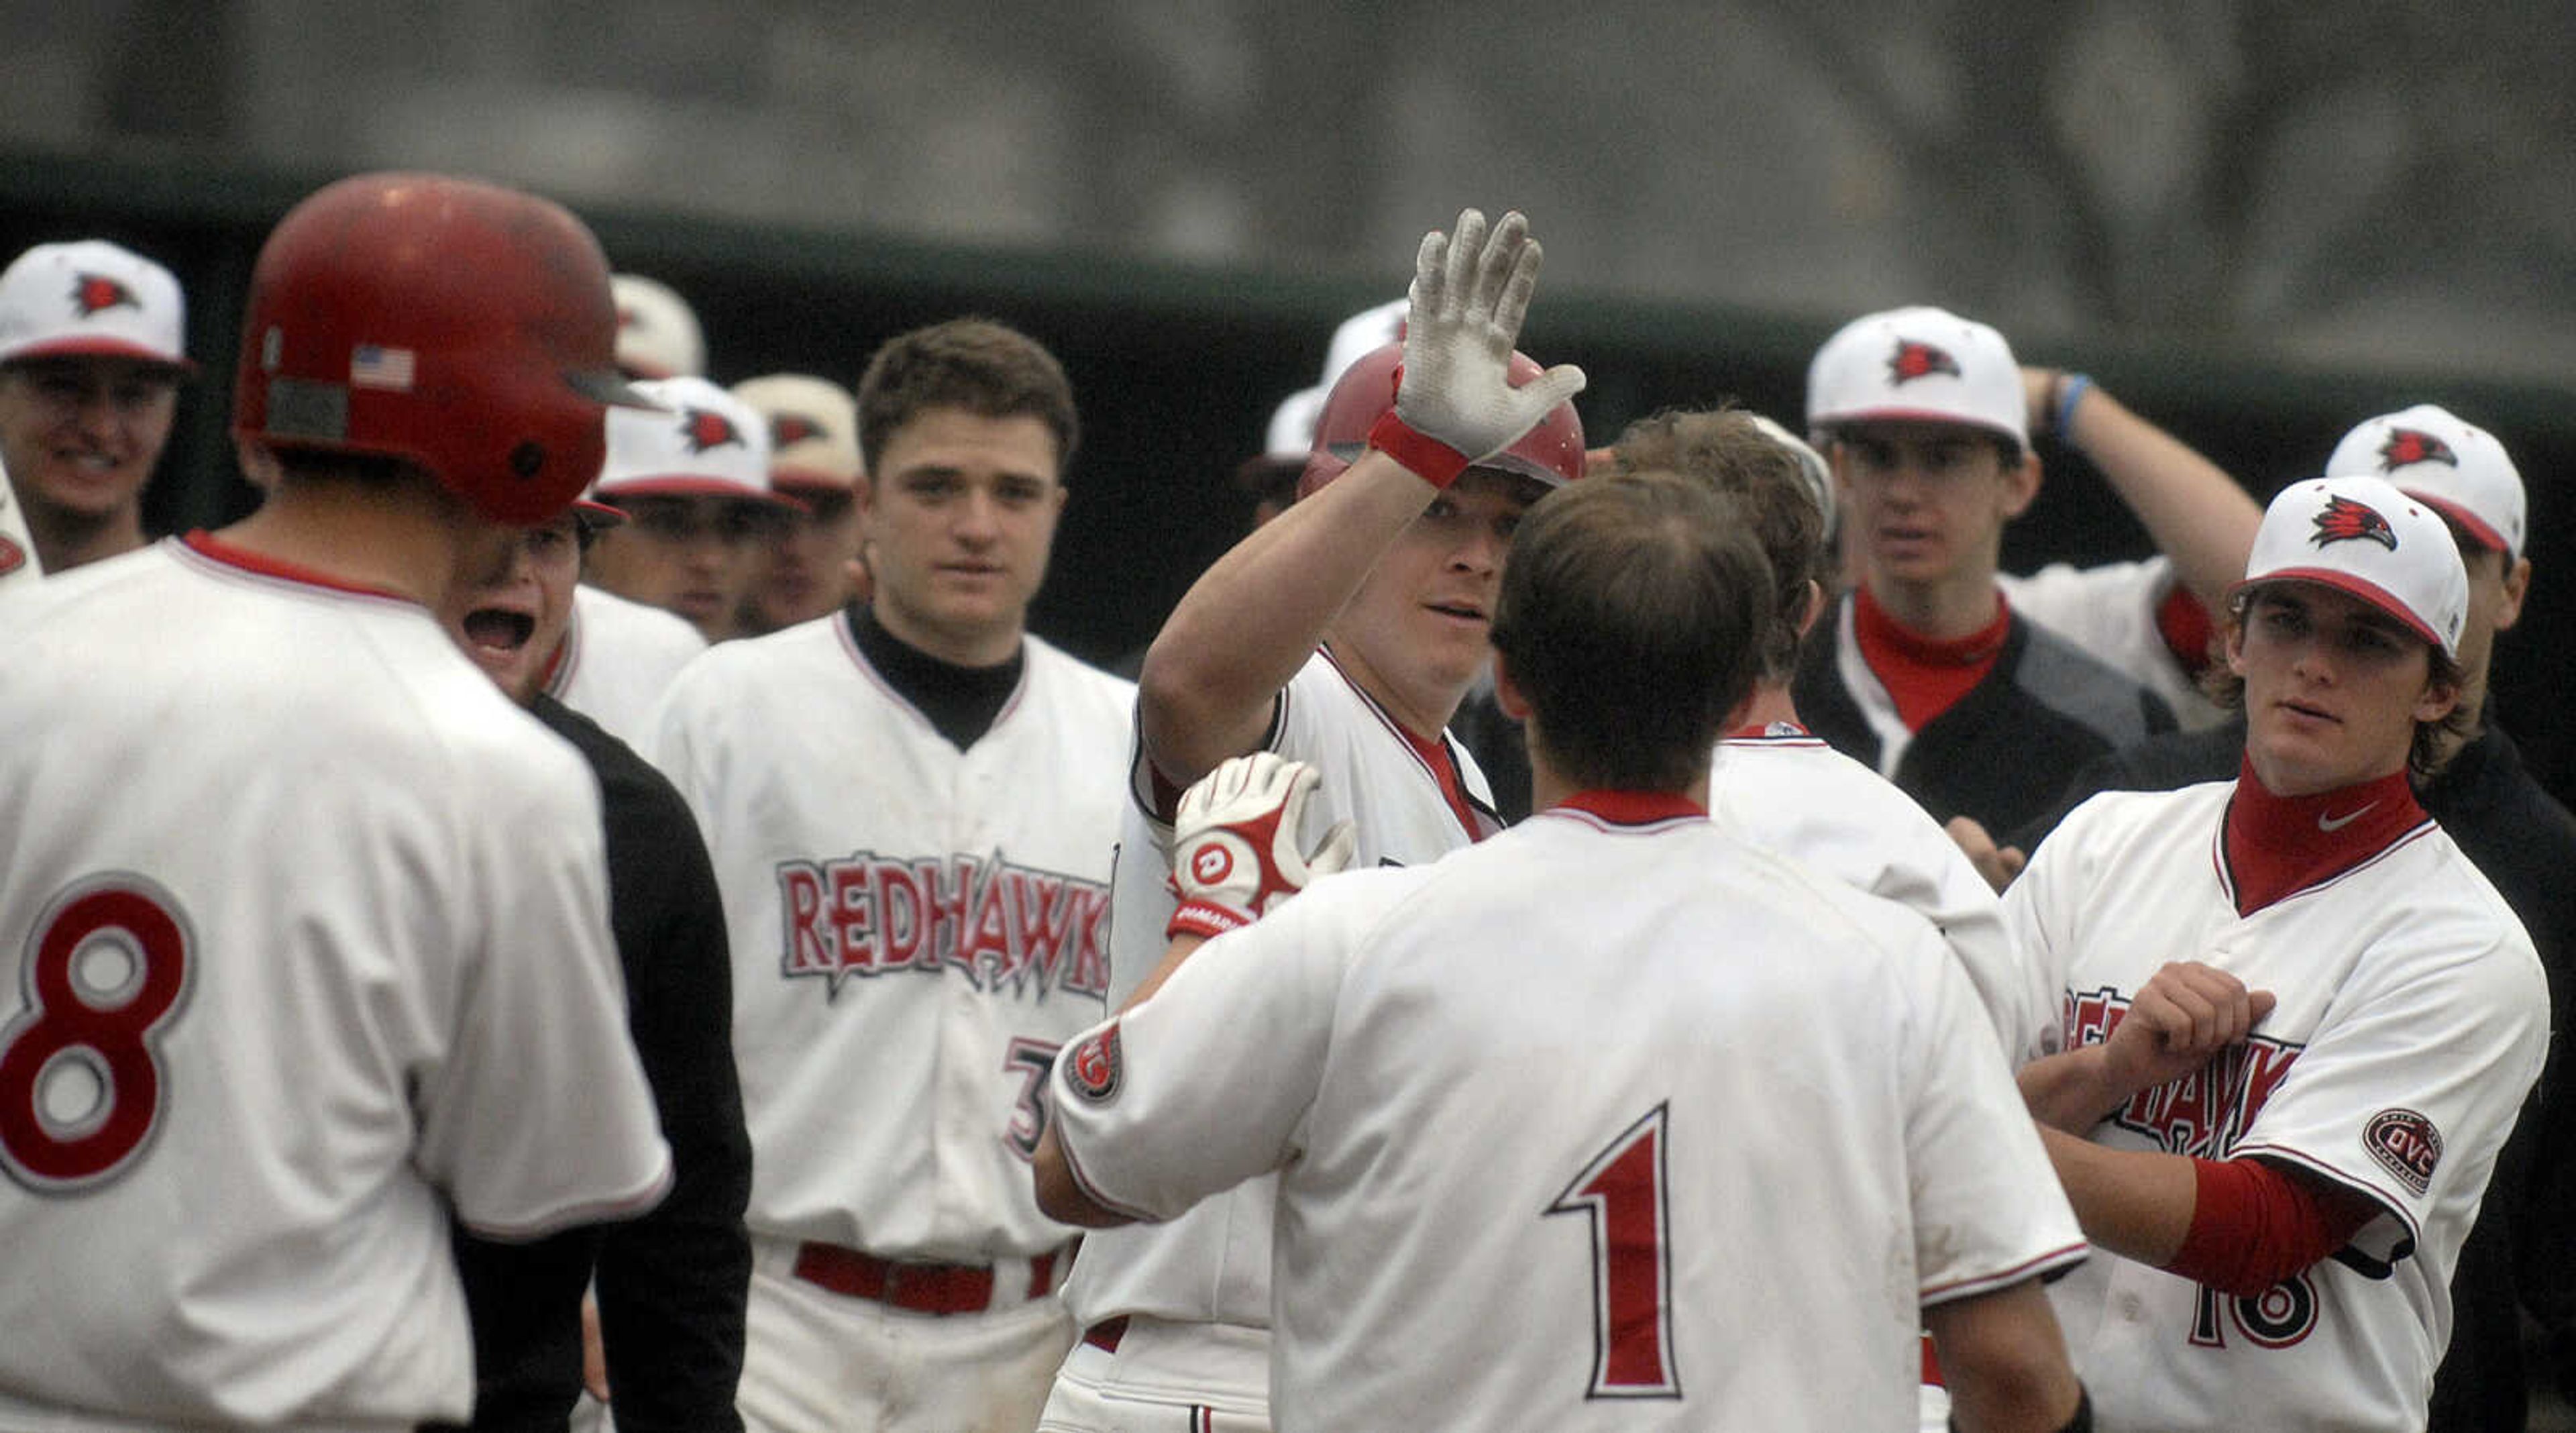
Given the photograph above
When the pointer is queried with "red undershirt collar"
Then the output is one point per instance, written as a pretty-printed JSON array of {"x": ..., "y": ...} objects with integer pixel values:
[
  {"x": 208, "y": 545},
  {"x": 1634, "y": 808},
  {"x": 1444, "y": 769},
  {"x": 2278, "y": 846},
  {"x": 1925, "y": 676}
]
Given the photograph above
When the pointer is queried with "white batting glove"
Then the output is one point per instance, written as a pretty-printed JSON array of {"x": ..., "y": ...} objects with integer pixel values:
[
  {"x": 1234, "y": 843},
  {"x": 1454, "y": 404}
]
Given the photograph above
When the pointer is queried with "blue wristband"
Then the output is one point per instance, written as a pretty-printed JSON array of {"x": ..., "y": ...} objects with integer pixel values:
[{"x": 2070, "y": 391}]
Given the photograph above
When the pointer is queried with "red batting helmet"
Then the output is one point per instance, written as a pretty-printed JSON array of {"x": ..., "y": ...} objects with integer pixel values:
[
  {"x": 1552, "y": 452},
  {"x": 457, "y": 325}
]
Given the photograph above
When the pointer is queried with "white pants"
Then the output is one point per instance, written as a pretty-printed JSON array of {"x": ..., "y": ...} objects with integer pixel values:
[
  {"x": 1165, "y": 1378},
  {"x": 819, "y": 1362}
]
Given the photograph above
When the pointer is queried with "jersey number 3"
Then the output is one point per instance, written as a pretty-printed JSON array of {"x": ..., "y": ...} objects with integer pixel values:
[
  {"x": 1622, "y": 1192},
  {"x": 80, "y": 1080}
]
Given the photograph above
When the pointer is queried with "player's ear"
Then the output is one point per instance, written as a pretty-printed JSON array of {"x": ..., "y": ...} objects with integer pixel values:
[
  {"x": 1507, "y": 693},
  {"x": 1815, "y": 607},
  {"x": 2021, "y": 483},
  {"x": 2517, "y": 585}
]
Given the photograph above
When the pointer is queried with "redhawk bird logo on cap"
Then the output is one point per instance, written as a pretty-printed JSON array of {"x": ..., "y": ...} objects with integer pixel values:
[
  {"x": 2408, "y": 446},
  {"x": 93, "y": 293},
  {"x": 2343, "y": 520},
  {"x": 1916, "y": 359},
  {"x": 789, "y": 429},
  {"x": 705, "y": 429},
  {"x": 627, "y": 317}
]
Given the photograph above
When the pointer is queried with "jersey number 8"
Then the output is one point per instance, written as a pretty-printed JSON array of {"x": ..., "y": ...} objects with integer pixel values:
[{"x": 80, "y": 1078}]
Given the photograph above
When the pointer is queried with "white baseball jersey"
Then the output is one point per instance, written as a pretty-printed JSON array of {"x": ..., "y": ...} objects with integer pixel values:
[
  {"x": 2110, "y": 612},
  {"x": 19, "y": 565},
  {"x": 915, "y": 930},
  {"x": 1212, "y": 1265},
  {"x": 2413, "y": 1016},
  {"x": 1787, "y": 791},
  {"x": 1614, "y": 1121},
  {"x": 617, "y": 659},
  {"x": 304, "y": 942}
]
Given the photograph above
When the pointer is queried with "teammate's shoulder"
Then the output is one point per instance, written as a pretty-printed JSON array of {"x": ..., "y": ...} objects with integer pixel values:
[
  {"x": 625, "y": 621},
  {"x": 1058, "y": 665}
]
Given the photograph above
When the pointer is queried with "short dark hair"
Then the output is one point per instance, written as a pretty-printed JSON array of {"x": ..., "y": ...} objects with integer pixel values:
[
  {"x": 1631, "y": 618},
  {"x": 987, "y": 368},
  {"x": 1723, "y": 448},
  {"x": 2435, "y": 742}
]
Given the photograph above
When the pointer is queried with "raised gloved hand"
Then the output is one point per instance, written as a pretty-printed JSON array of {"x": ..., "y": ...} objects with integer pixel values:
[
  {"x": 1234, "y": 843},
  {"x": 1454, "y": 402}
]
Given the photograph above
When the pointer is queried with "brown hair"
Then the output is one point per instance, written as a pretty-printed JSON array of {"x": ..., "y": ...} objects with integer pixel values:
[
  {"x": 987, "y": 368},
  {"x": 1631, "y": 616},
  {"x": 1723, "y": 449}
]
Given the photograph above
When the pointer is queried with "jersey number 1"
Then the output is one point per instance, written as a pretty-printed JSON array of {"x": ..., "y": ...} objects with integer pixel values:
[
  {"x": 106, "y": 966},
  {"x": 1622, "y": 1192}
]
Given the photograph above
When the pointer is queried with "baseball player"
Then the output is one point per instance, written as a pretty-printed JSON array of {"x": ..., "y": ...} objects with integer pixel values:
[
  {"x": 657, "y": 332},
  {"x": 2299, "y": 1021},
  {"x": 1925, "y": 672},
  {"x": 616, "y": 658},
  {"x": 1538, "y": 1038},
  {"x": 695, "y": 481},
  {"x": 1779, "y": 786},
  {"x": 670, "y": 1284},
  {"x": 2518, "y": 837},
  {"x": 335, "y": 967},
  {"x": 912, "y": 807},
  {"x": 814, "y": 458},
  {"x": 91, "y": 357},
  {"x": 1342, "y": 634}
]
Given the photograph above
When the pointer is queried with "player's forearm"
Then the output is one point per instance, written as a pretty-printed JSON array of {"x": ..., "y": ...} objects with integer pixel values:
[
  {"x": 2069, "y": 1091},
  {"x": 2135, "y": 1203},
  {"x": 2198, "y": 515},
  {"x": 1254, "y": 617},
  {"x": 2004, "y": 1361}
]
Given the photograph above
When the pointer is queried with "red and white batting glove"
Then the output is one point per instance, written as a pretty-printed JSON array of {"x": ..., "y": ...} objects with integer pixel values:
[
  {"x": 1455, "y": 404},
  {"x": 1234, "y": 843}
]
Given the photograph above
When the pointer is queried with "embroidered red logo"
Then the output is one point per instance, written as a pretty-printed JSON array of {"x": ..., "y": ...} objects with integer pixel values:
[
  {"x": 1006, "y": 928},
  {"x": 627, "y": 317},
  {"x": 1916, "y": 359},
  {"x": 1093, "y": 1067},
  {"x": 2344, "y": 520},
  {"x": 94, "y": 294},
  {"x": 706, "y": 429},
  {"x": 2408, "y": 446},
  {"x": 2406, "y": 1145},
  {"x": 788, "y": 429},
  {"x": 12, "y": 556}
]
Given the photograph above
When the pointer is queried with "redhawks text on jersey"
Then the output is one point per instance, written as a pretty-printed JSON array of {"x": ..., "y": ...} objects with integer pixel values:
[{"x": 1005, "y": 927}]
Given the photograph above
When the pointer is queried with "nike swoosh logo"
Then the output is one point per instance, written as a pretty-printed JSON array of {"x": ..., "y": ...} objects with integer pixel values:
[{"x": 2332, "y": 824}]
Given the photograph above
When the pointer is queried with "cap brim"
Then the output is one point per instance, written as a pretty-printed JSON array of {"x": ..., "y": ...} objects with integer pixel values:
[
  {"x": 597, "y": 514},
  {"x": 681, "y": 485},
  {"x": 808, "y": 480},
  {"x": 1830, "y": 425},
  {"x": 2477, "y": 527},
  {"x": 2351, "y": 586},
  {"x": 102, "y": 348},
  {"x": 610, "y": 387}
]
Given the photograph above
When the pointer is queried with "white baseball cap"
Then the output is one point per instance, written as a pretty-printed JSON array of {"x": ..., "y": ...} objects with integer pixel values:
[
  {"x": 1917, "y": 365},
  {"x": 813, "y": 430},
  {"x": 91, "y": 298},
  {"x": 2361, "y": 536},
  {"x": 700, "y": 441},
  {"x": 1292, "y": 423},
  {"x": 2456, "y": 466},
  {"x": 657, "y": 331}
]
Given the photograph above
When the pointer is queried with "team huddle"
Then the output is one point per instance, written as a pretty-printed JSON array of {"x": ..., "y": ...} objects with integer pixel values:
[{"x": 589, "y": 907}]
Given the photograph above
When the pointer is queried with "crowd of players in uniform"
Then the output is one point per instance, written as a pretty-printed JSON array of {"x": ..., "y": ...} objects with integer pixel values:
[{"x": 852, "y": 1012}]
